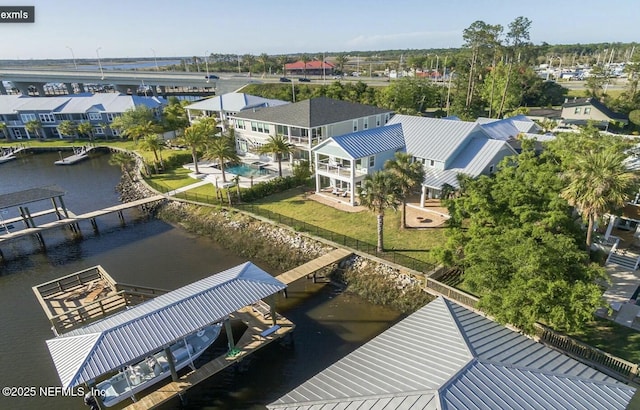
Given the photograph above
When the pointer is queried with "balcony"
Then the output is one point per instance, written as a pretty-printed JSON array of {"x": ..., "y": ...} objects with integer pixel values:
[{"x": 334, "y": 169}]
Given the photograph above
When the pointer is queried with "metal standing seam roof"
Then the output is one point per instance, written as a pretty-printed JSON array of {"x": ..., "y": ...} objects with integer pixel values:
[
  {"x": 365, "y": 143},
  {"x": 313, "y": 112},
  {"x": 475, "y": 157},
  {"x": 449, "y": 357},
  {"x": 106, "y": 345},
  {"x": 234, "y": 102},
  {"x": 29, "y": 195},
  {"x": 434, "y": 138},
  {"x": 501, "y": 129},
  {"x": 77, "y": 103}
]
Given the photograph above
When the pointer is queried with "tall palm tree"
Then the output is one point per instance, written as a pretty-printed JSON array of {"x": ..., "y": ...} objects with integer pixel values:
[
  {"x": 124, "y": 161},
  {"x": 153, "y": 143},
  {"x": 34, "y": 126},
  {"x": 305, "y": 59},
  {"x": 264, "y": 59},
  {"x": 282, "y": 62},
  {"x": 409, "y": 174},
  {"x": 223, "y": 150},
  {"x": 378, "y": 192},
  {"x": 599, "y": 182},
  {"x": 279, "y": 146},
  {"x": 341, "y": 59},
  {"x": 197, "y": 136}
]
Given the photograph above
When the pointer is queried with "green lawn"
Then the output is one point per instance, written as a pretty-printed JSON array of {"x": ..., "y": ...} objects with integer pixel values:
[
  {"x": 620, "y": 341},
  {"x": 172, "y": 179}
]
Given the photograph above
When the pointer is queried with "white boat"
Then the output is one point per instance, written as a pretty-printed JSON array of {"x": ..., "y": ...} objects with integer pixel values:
[{"x": 155, "y": 367}]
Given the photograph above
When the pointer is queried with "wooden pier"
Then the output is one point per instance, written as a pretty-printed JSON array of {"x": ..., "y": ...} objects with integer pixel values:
[
  {"x": 260, "y": 332},
  {"x": 311, "y": 267},
  {"x": 79, "y": 154},
  {"x": 73, "y": 221}
]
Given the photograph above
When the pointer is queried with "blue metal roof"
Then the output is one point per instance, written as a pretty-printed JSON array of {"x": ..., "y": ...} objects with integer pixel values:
[
  {"x": 103, "y": 346},
  {"x": 368, "y": 142}
]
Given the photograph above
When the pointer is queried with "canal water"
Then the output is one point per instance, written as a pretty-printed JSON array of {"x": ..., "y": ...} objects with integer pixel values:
[{"x": 330, "y": 323}]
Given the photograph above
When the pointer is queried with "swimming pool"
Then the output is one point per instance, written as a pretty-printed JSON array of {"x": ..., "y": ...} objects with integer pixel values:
[{"x": 245, "y": 170}]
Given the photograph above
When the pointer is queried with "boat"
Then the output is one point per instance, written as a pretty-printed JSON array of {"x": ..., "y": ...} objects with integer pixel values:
[{"x": 154, "y": 368}]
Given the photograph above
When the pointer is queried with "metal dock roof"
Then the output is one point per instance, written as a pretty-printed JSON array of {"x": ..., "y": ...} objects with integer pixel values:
[{"x": 106, "y": 345}]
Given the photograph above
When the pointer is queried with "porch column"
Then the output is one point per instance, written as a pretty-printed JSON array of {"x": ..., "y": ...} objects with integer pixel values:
[
  {"x": 172, "y": 365},
  {"x": 352, "y": 198},
  {"x": 315, "y": 166},
  {"x": 423, "y": 194},
  {"x": 612, "y": 222},
  {"x": 272, "y": 308},
  {"x": 227, "y": 328}
]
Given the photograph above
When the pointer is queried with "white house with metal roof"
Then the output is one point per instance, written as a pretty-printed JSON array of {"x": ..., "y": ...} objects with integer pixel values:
[
  {"x": 342, "y": 162},
  {"x": 446, "y": 357},
  {"x": 305, "y": 124},
  {"x": 97, "y": 109},
  {"x": 84, "y": 354},
  {"x": 447, "y": 148},
  {"x": 521, "y": 124},
  {"x": 222, "y": 107}
]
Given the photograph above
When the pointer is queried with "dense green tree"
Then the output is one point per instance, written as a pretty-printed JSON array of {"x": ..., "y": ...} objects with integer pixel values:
[
  {"x": 263, "y": 59},
  {"x": 409, "y": 175},
  {"x": 501, "y": 90},
  {"x": 174, "y": 116},
  {"x": 409, "y": 95},
  {"x": 280, "y": 147},
  {"x": 483, "y": 40},
  {"x": 136, "y": 122},
  {"x": 518, "y": 37},
  {"x": 4, "y": 129},
  {"x": 85, "y": 128},
  {"x": 124, "y": 161},
  {"x": 68, "y": 128},
  {"x": 34, "y": 127},
  {"x": 596, "y": 81},
  {"x": 223, "y": 150},
  {"x": 197, "y": 136},
  {"x": 379, "y": 192}
]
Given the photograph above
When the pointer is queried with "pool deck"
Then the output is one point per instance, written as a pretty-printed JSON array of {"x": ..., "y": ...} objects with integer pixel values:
[{"x": 209, "y": 172}]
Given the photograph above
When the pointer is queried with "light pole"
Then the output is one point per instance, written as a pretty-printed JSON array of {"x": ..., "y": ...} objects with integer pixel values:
[
  {"x": 437, "y": 62},
  {"x": 73, "y": 57},
  {"x": 99, "y": 63},
  {"x": 206, "y": 63},
  {"x": 155, "y": 59}
]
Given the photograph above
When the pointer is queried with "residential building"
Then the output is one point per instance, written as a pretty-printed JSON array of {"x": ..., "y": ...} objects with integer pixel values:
[
  {"x": 445, "y": 357},
  {"x": 305, "y": 124},
  {"x": 224, "y": 106},
  {"x": 580, "y": 111},
  {"x": 97, "y": 109},
  {"x": 342, "y": 162},
  {"x": 509, "y": 128},
  {"x": 313, "y": 67},
  {"x": 447, "y": 148}
]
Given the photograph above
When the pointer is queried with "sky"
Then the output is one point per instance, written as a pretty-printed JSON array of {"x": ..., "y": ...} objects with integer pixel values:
[{"x": 142, "y": 28}]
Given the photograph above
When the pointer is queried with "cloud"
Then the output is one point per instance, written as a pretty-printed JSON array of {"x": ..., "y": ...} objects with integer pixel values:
[{"x": 417, "y": 39}]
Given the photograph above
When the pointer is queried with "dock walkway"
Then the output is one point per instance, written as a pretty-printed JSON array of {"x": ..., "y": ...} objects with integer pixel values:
[
  {"x": 248, "y": 343},
  {"x": 313, "y": 266},
  {"x": 79, "y": 154}
]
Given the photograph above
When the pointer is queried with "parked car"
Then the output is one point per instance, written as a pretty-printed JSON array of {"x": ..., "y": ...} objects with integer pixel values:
[
  {"x": 211, "y": 77},
  {"x": 304, "y": 80},
  {"x": 284, "y": 80}
]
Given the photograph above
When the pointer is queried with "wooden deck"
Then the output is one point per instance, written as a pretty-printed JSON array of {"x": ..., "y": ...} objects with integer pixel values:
[
  {"x": 78, "y": 218},
  {"x": 313, "y": 266},
  {"x": 248, "y": 343}
]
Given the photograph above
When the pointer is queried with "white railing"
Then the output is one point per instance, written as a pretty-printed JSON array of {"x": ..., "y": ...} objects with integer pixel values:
[{"x": 613, "y": 250}]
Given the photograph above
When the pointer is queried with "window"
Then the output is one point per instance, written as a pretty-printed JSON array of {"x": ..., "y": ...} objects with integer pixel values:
[
  {"x": 378, "y": 120},
  {"x": 372, "y": 161},
  {"x": 254, "y": 126},
  {"x": 365, "y": 124},
  {"x": 587, "y": 110},
  {"x": 386, "y": 118},
  {"x": 355, "y": 125},
  {"x": 316, "y": 133},
  {"x": 95, "y": 116},
  {"x": 576, "y": 110},
  {"x": 491, "y": 169},
  {"x": 240, "y": 124},
  {"x": 112, "y": 116},
  {"x": 47, "y": 118},
  {"x": 55, "y": 132},
  {"x": 27, "y": 117},
  {"x": 432, "y": 163},
  {"x": 115, "y": 132},
  {"x": 17, "y": 133},
  {"x": 98, "y": 131},
  {"x": 282, "y": 130}
]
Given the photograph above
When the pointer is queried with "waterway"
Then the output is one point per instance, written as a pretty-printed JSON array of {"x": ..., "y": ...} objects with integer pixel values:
[{"x": 330, "y": 323}]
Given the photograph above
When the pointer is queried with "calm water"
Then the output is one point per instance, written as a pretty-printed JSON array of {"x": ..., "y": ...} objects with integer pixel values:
[{"x": 330, "y": 324}]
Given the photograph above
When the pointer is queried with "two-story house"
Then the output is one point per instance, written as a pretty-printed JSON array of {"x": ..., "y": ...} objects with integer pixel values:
[
  {"x": 580, "y": 111},
  {"x": 97, "y": 109},
  {"x": 223, "y": 107},
  {"x": 305, "y": 124},
  {"x": 342, "y": 162}
]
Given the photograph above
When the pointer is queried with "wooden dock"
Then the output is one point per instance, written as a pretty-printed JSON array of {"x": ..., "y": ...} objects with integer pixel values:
[
  {"x": 74, "y": 220},
  {"x": 313, "y": 266},
  {"x": 249, "y": 342},
  {"x": 79, "y": 154}
]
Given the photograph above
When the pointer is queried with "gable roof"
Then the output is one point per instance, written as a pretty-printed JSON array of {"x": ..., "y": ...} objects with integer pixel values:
[
  {"x": 434, "y": 138},
  {"x": 77, "y": 103},
  {"x": 500, "y": 129},
  {"x": 100, "y": 347},
  {"x": 580, "y": 102},
  {"x": 472, "y": 160},
  {"x": 234, "y": 102},
  {"x": 364, "y": 143},
  {"x": 445, "y": 356},
  {"x": 313, "y": 112}
]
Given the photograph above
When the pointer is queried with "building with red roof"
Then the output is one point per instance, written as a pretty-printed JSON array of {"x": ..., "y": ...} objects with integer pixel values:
[{"x": 313, "y": 67}]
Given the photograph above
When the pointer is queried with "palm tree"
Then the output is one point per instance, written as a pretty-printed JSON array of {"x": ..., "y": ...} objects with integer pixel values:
[
  {"x": 124, "y": 161},
  {"x": 197, "y": 136},
  {"x": 378, "y": 192},
  {"x": 4, "y": 129},
  {"x": 282, "y": 62},
  {"x": 34, "y": 126},
  {"x": 279, "y": 146},
  {"x": 85, "y": 128},
  {"x": 68, "y": 128},
  {"x": 264, "y": 59},
  {"x": 153, "y": 143},
  {"x": 223, "y": 150},
  {"x": 599, "y": 182},
  {"x": 409, "y": 175},
  {"x": 341, "y": 59},
  {"x": 305, "y": 59},
  {"x": 174, "y": 116}
]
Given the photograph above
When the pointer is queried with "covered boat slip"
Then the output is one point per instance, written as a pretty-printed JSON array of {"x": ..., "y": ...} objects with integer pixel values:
[{"x": 89, "y": 353}]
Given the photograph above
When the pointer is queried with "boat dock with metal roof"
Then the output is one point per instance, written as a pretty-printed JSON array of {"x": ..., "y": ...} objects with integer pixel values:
[{"x": 86, "y": 354}]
